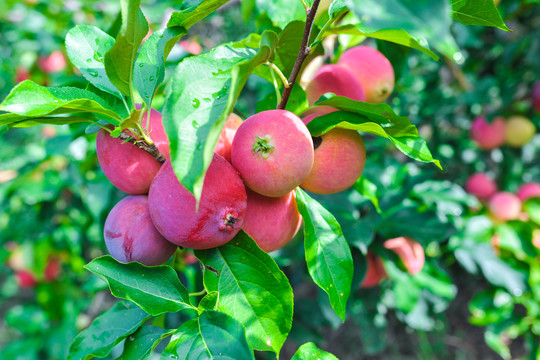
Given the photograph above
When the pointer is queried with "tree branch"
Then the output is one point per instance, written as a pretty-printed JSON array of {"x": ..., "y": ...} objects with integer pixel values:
[
  {"x": 152, "y": 150},
  {"x": 302, "y": 54}
]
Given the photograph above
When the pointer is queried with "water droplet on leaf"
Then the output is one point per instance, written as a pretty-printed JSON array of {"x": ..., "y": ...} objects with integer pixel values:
[
  {"x": 195, "y": 124},
  {"x": 195, "y": 103}
]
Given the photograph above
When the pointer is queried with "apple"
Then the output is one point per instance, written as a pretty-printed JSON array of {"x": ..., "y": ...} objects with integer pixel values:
[
  {"x": 372, "y": 69},
  {"x": 224, "y": 144},
  {"x": 220, "y": 213},
  {"x": 55, "y": 62},
  {"x": 409, "y": 251},
  {"x": 519, "y": 131},
  {"x": 129, "y": 168},
  {"x": 273, "y": 152},
  {"x": 528, "y": 190},
  {"x": 130, "y": 234},
  {"x": 340, "y": 157},
  {"x": 481, "y": 186},
  {"x": 375, "y": 271},
  {"x": 504, "y": 206},
  {"x": 488, "y": 136},
  {"x": 536, "y": 96},
  {"x": 334, "y": 79},
  {"x": 271, "y": 221}
]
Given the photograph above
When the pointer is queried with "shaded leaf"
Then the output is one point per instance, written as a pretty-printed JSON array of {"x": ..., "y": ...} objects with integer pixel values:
[
  {"x": 310, "y": 351},
  {"x": 141, "y": 344}
]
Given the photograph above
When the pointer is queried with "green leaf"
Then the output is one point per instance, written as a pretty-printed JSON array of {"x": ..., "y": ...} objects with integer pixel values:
[
  {"x": 149, "y": 68},
  {"x": 531, "y": 206},
  {"x": 328, "y": 255},
  {"x": 30, "y": 101},
  {"x": 309, "y": 351},
  {"x": 378, "y": 119},
  {"x": 209, "y": 302},
  {"x": 195, "y": 13},
  {"x": 282, "y": 12},
  {"x": 420, "y": 20},
  {"x": 120, "y": 58},
  {"x": 213, "y": 335},
  {"x": 86, "y": 47},
  {"x": 107, "y": 330},
  {"x": 472, "y": 12},
  {"x": 252, "y": 289},
  {"x": 155, "y": 289},
  {"x": 141, "y": 344},
  {"x": 200, "y": 97}
]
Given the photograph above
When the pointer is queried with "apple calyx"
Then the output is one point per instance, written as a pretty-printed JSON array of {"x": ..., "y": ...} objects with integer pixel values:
[
  {"x": 262, "y": 146},
  {"x": 229, "y": 217}
]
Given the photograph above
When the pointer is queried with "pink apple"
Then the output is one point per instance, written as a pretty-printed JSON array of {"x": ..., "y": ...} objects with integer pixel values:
[
  {"x": 224, "y": 144},
  {"x": 372, "y": 69},
  {"x": 505, "y": 206},
  {"x": 55, "y": 62},
  {"x": 129, "y": 168},
  {"x": 273, "y": 152},
  {"x": 481, "y": 186},
  {"x": 375, "y": 271},
  {"x": 528, "y": 190},
  {"x": 271, "y": 221},
  {"x": 334, "y": 79},
  {"x": 340, "y": 157},
  {"x": 488, "y": 136},
  {"x": 409, "y": 251}
]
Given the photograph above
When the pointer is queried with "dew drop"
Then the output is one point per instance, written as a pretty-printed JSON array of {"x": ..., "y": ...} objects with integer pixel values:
[
  {"x": 141, "y": 65},
  {"x": 195, "y": 124},
  {"x": 88, "y": 60},
  {"x": 195, "y": 103},
  {"x": 92, "y": 73},
  {"x": 97, "y": 41},
  {"x": 151, "y": 78},
  {"x": 98, "y": 57},
  {"x": 199, "y": 145},
  {"x": 221, "y": 93}
]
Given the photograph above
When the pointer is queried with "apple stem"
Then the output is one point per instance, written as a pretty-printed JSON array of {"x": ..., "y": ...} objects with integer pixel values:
[
  {"x": 150, "y": 149},
  {"x": 302, "y": 54}
]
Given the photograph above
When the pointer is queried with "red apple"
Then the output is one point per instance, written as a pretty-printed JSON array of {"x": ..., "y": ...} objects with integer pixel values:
[
  {"x": 334, "y": 79},
  {"x": 375, "y": 271},
  {"x": 221, "y": 211},
  {"x": 528, "y": 190},
  {"x": 55, "y": 62},
  {"x": 224, "y": 144},
  {"x": 505, "y": 206}
]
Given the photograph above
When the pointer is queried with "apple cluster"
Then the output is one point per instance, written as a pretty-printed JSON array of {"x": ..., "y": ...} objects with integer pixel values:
[
  {"x": 515, "y": 131},
  {"x": 250, "y": 183},
  {"x": 502, "y": 205}
]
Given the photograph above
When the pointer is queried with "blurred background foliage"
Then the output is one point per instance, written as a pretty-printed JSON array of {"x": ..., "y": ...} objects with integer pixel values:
[{"x": 471, "y": 300}]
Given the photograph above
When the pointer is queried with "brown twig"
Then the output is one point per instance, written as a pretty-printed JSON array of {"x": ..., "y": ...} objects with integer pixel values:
[
  {"x": 152, "y": 150},
  {"x": 302, "y": 54}
]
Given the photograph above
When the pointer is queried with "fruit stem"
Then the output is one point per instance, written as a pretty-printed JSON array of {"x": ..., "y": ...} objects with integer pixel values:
[
  {"x": 199, "y": 293},
  {"x": 279, "y": 73},
  {"x": 302, "y": 54}
]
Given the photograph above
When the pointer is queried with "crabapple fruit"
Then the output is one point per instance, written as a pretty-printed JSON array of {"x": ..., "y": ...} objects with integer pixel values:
[
  {"x": 130, "y": 234},
  {"x": 334, "y": 79},
  {"x": 129, "y": 168},
  {"x": 221, "y": 211},
  {"x": 55, "y": 62},
  {"x": 409, "y": 251},
  {"x": 375, "y": 271},
  {"x": 273, "y": 152},
  {"x": 488, "y": 136},
  {"x": 372, "y": 69},
  {"x": 528, "y": 190},
  {"x": 224, "y": 144},
  {"x": 505, "y": 206},
  {"x": 340, "y": 157},
  {"x": 481, "y": 186},
  {"x": 271, "y": 221},
  {"x": 519, "y": 131},
  {"x": 25, "y": 279}
]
